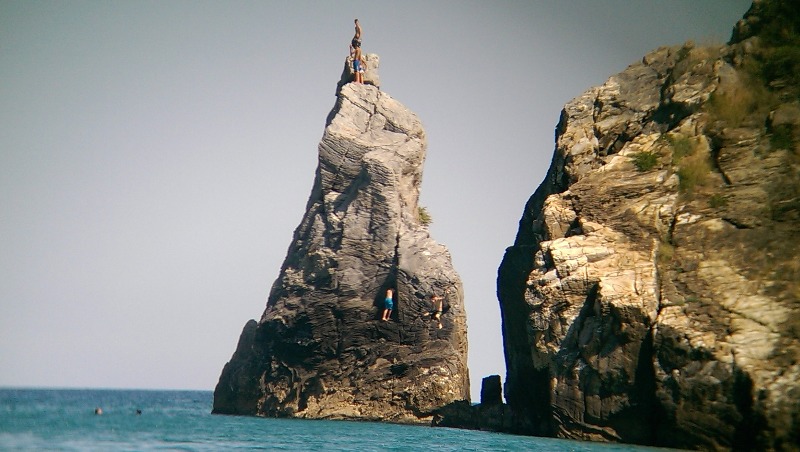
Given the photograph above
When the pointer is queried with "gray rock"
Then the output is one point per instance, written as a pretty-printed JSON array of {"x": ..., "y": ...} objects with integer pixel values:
[
  {"x": 491, "y": 390},
  {"x": 496, "y": 417},
  {"x": 321, "y": 350}
]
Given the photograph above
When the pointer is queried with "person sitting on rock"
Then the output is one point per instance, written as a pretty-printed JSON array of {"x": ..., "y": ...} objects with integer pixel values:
[
  {"x": 388, "y": 305},
  {"x": 437, "y": 301}
]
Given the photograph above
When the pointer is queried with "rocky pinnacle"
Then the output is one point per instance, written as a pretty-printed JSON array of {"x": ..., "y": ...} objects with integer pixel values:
[{"x": 321, "y": 349}]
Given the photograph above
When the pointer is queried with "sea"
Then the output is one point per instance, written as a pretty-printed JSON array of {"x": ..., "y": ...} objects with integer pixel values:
[{"x": 143, "y": 420}]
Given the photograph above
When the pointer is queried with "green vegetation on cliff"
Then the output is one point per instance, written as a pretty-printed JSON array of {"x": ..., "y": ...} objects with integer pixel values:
[{"x": 778, "y": 62}]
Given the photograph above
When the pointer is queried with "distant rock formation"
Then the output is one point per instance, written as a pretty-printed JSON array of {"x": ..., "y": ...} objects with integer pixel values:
[
  {"x": 652, "y": 294},
  {"x": 490, "y": 414},
  {"x": 321, "y": 350}
]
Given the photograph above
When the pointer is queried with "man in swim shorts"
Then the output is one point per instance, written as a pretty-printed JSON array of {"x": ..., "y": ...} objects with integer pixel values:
[
  {"x": 358, "y": 62},
  {"x": 388, "y": 305}
]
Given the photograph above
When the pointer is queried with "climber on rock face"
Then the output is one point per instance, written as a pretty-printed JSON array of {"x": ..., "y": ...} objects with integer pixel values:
[
  {"x": 438, "y": 308},
  {"x": 388, "y": 305}
]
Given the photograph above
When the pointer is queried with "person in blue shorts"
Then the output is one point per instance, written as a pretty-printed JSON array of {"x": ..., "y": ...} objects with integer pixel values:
[
  {"x": 359, "y": 63},
  {"x": 388, "y": 305}
]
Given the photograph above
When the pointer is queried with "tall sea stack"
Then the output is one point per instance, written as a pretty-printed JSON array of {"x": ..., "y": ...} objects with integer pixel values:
[{"x": 321, "y": 348}]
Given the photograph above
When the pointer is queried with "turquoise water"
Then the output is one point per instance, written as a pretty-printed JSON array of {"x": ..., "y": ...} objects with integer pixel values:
[{"x": 64, "y": 419}]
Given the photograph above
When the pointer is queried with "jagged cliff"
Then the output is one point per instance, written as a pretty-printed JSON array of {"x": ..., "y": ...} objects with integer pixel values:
[
  {"x": 321, "y": 349},
  {"x": 652, "y": 294}
]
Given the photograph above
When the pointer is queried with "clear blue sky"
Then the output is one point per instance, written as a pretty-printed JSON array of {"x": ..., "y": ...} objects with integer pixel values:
[{"x": 156, "y": 157}]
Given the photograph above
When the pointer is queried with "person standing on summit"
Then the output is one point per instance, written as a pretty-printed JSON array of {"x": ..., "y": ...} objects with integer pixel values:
[
  {"x": 355, "y": 53},
  {"x": 358, "y": 64}
]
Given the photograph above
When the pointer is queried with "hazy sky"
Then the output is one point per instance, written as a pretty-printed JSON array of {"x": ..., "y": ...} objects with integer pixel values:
[{"x": 156, "y": 157}]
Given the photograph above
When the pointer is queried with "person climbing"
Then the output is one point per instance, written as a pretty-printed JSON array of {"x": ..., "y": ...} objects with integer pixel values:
[
  {"x": 388, "y": 305},
  {"x": 436, "y": 314},
  {"x": 438, "y": 308}
]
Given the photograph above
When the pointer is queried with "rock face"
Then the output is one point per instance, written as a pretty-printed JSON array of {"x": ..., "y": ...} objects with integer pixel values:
[
  {"x": 321, "y": 350},
  {"x": 652, "y": 294}
]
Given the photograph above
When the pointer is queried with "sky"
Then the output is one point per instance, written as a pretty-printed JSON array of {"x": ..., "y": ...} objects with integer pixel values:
[{"x": 156, "y": 157}]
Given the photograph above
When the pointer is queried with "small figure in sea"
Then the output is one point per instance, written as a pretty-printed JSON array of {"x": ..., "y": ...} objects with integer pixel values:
[
  {"x": 98, "y": 411},
  {"x": 388, "y": 305},
  {"x": 138, "y": 412}
]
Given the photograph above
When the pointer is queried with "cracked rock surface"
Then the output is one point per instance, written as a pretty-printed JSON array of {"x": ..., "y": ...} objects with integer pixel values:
[
  {"x": 638, "y": 310},
  {"x": 321, "y": 350}
]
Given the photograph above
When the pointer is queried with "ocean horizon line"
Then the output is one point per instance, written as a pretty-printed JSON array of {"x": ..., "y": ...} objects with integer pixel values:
[{"x": 97, "y": 388}]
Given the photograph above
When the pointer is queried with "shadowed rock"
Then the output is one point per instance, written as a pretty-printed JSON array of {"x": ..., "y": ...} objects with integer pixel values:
[{"x": 491, "y": 390}]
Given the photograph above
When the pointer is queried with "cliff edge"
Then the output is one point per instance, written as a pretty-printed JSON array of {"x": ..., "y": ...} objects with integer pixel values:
[{"x": 652, "y": 294}]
